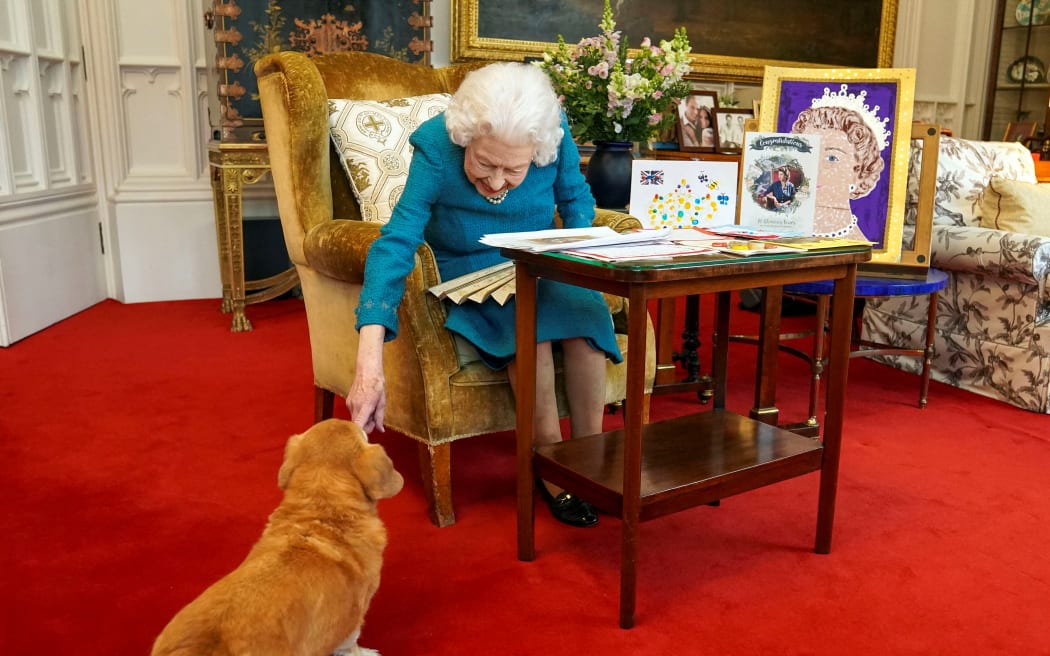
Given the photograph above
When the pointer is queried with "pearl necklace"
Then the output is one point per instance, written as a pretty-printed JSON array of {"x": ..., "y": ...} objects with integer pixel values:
[{"x": 498, "y": 198}]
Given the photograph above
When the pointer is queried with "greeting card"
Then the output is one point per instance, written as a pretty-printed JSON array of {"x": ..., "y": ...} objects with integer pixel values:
[
  {"x": 778, "y": 191},
  {"x": 683, "y": 194}
]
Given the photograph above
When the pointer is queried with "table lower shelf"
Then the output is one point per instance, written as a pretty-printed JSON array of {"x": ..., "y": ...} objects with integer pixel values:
[{"x": 686, "y": 462}]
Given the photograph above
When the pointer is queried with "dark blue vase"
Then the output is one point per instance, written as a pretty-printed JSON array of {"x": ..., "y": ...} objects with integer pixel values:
[{"x": 609, "y": 173}]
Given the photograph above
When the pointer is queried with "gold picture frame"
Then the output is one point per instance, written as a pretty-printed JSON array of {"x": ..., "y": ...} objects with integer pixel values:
[
  {"x": 521, "y": 30},
  {"x": 883, "y": 99}
]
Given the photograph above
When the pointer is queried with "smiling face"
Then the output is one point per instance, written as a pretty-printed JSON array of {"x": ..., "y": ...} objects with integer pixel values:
[
  {"x": 493, "y": 166},
  {"x": 836, "y": 169}
]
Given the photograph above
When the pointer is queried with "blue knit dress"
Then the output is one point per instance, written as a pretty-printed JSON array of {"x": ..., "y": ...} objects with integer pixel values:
[{"x": 442, "y": 207}]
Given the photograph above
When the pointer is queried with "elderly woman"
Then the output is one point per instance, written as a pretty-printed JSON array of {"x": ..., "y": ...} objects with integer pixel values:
[{"x": 500, "y": 159}]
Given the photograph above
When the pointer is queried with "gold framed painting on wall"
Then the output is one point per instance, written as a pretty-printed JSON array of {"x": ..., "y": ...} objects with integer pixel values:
[
  {"x": 864, "y": 117},
  {"x": 749, "y": 37}
]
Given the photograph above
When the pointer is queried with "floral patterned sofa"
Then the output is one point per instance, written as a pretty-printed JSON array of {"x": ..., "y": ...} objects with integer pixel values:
[{"x": 993, "y": 319}]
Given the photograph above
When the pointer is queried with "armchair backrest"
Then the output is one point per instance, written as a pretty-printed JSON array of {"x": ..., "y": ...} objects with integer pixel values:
[
  {"x": 294, "y": 90},
  {"x": 963, "y": 169}
]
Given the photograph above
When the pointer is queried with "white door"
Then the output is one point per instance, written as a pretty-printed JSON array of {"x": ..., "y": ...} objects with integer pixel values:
[{"x": 51, "y": 260}]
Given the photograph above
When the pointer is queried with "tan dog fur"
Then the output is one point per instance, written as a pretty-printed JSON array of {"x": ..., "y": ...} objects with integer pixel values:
[{"x": 306, "y": 584}]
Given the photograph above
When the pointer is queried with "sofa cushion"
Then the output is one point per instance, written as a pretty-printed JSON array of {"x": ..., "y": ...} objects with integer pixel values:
[
  {"x": 963, "y": 170},
  {"x": 1014, "y": 206},
  {"x": 371, "y": 138}
]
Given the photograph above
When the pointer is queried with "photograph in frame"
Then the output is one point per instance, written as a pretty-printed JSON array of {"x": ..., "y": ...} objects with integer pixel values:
[
  {"x": 695, "y": 123},
  {"x": 730, "y": 124},
  {"x": 864, "y": 117}
]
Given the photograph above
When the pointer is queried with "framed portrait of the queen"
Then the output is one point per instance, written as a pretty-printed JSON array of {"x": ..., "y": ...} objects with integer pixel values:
[{"x": 863, "y": 117}]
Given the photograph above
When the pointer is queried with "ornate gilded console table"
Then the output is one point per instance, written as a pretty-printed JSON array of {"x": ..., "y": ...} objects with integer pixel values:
[{"x": 234, "y": 165}]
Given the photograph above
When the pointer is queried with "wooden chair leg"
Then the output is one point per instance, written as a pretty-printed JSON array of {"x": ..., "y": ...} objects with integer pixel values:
[
  {"x": 927, "y": 356},
  {"x": 324, "y": 404},
  {"x": 435, "y": 467}
]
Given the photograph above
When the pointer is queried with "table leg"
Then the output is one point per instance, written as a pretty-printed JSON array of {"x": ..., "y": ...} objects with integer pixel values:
[
  {"x": 688, "y": 356},
  {"x": 838, "y": 361},
  {"x": 720, "y": 349},
  {"x": 221, "y": 236},
  {"x": 765, "y": 409},
  {"x": 233, "y": 218},
  {"x": 632, "y": 460},
  {"x": 665, "y": 368},
  {"x": 817, "y": 362},
  {"x": 525, "y": 327}
]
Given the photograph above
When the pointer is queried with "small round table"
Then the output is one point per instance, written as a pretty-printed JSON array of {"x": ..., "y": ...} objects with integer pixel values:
[{"x": 867, "y": 287}]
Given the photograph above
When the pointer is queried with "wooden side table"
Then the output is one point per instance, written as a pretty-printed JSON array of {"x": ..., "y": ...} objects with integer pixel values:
[
  {"x": 647, "y": 471},
  {"x": 234, "y": 165}
]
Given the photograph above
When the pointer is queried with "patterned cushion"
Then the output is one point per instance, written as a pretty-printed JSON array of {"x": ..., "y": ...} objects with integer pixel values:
[
  {"x": 963, "y": 170},
  {"x": 371, "y": 138},
  {"x": 1020, "y": 207}
]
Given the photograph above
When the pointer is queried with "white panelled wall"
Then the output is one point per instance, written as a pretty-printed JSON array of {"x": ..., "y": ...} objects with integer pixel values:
[
  {"x": 104, "y": 188},
  {"x": 50, "y": 259}
]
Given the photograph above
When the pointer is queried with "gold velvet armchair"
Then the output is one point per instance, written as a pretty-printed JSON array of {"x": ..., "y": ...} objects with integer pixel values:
[{"x": 432, "y": 397}]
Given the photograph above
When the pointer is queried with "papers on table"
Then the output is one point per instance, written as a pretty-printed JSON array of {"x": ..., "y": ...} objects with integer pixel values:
[{"x": 539, "y": 241}]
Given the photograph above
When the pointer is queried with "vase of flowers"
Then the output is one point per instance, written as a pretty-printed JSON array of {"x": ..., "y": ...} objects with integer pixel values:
[{"x": 613, "y": 96}]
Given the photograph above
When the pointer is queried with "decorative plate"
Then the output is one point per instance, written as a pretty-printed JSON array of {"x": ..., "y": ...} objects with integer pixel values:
[
  {"x": 1024, "y": 12},
  {"x": 1027, "y": 69}
]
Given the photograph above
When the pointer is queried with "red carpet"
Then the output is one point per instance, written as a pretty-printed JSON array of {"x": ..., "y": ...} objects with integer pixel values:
[{"x": 140, "y": 447}]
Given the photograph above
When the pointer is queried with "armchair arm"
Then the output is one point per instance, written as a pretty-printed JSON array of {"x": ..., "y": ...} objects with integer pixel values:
[
  {"x": 618, "y": 221},
  {"x": 1011, "y": 256},
  {"x": 338, "y": 249}
]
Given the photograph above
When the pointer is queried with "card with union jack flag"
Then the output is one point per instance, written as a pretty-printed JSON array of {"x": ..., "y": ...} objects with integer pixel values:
[{"x": 683, "y": 193}]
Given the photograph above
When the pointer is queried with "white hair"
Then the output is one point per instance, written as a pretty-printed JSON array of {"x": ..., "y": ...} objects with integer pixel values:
[{"x": 511, "y": 102}]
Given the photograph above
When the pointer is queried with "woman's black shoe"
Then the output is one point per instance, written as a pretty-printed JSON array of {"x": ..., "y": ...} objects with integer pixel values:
[{"x": 568, "y": 508}]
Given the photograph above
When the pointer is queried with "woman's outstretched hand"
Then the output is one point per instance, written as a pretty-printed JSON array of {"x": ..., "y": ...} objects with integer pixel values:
[{"x": 367, "y": 398}]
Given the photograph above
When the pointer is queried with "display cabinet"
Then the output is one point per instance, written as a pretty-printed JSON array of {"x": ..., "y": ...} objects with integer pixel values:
[{"x": 1018, "y": 89}]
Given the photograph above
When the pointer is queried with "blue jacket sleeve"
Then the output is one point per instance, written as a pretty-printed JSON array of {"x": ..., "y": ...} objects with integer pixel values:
[
  {"x": 392, "y": 255},
  {"x": 572, "y": 194}
]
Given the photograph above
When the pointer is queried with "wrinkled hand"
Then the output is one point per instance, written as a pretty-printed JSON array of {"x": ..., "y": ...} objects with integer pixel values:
[{"x": 367, "y": 398}]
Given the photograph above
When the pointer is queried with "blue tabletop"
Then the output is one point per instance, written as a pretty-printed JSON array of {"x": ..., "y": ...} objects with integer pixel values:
[{"x": 934, "y": 281}]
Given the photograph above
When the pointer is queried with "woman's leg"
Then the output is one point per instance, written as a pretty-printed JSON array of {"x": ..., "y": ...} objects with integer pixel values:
[
  {"x": 580, "y": 386},
  {"x": 584, "y": 386},
  {"x": 547, "y": 424}
]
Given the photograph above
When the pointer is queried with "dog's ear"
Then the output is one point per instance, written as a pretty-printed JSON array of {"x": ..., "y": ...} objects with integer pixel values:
[
  {"x": 290, "y": 462},
  {"x": 376, "y": 472}
]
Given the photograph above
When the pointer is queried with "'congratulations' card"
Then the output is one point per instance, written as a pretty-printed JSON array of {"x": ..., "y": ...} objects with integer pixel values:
[
  {"x": 780, "y": 172},
  {"x": 683, "y": 193}
]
